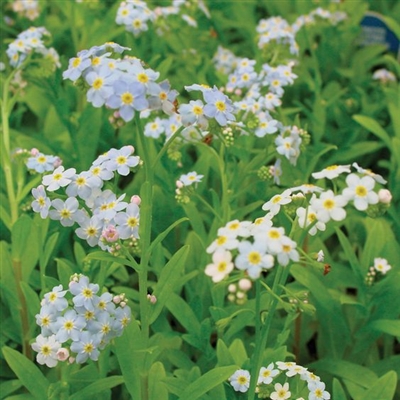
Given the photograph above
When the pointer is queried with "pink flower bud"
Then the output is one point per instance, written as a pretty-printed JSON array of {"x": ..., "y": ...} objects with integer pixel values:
[
  {"x": 110, "y": 234},
  {"x": 122, "y": 304},
  {"x": 245, "y": 284},
  {"x": 34, "y": 152},
  {"x": 152, "y": 299},
  {"x": 57, "y": 162},
  {"x": 179, "y": 184},
  {"x": 232, "y": 288},
  {"x": 62, "y": 354},
  {"x": 71, "y": 360},
  {"x": 117, "y": 299},
  {"x": 136, "y": 199},
  {"x": 238, "y": 92},
  {"x": 385, "y": 196},
  {"x": 131, "y": 148}
]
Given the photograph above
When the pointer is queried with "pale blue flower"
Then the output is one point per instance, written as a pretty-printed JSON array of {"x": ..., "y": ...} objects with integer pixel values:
[
  {"x": 66, "y": 212},
  {"x": 218, "y": 106},
  {"x": 86, "y": 347},
  {"x": 84, "y": 292},
  {"x": 128, "y": 222},
  {"x": 68, "y": 326},
  {"x": 128, "y": 97},
  {"x": 42, "y": 203}
]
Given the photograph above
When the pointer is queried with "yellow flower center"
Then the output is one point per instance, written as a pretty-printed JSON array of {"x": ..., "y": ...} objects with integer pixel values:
[
  {"x": 88, "y": 293},
  {"x": 331, "y": 168},
  {"x": 197, "y": 110},
  {"x": 97, "y": 83},
  {"x": 311, "y": 217},
  {"x": 276, "y": 199},
  {"x": 127, "y": 98},
  {"x": 105, "y": 329},
  {"x": 41, "y": 159},
  {"x": 65, "y": 213},
  {"x": 96, "y": 61},
  {"x": 137, "y": 23},
  {"x": 274, "y": 234},
  {"x": 41, "y": 201},
  {"x": 286, "y": 248},
  {"x": 57, "y": 177},
  {"x": 121, "y": 160},
  {"x": 46, "y": 350},
  {"x": 233, "y": 226},
  {"x": 89, "y": 315},
  {"x": 361, "y": 191},
  {"x": 52, "y": 297},
  {"x": 80, "y": 181},
  {"x": 220, "y": 105},
  {"x": 76, "y": 62},
  {"x": 88, "y": 348},
  {"x": 142, "y": 78},
  {"x": 221, "y": 240},
  {"x": 254, "y": 257},
  {"x": 68, "y": 325},
  {"x": 132, "y": 222},
  {"x": 45, "y": 321},
  {"x": 222, "y": 266},
  {"x": 162, "y": 96},
  {"x": 242, "y": 380},
  {"x": 91, "y": 231},
  {"x": 329, "y": 204}
]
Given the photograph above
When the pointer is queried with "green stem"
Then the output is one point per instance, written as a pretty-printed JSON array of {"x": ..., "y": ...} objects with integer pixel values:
[{"x": 262, "y": 334}]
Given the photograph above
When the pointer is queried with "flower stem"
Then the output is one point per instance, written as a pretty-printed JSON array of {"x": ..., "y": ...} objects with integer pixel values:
[{"x": 264, "y": 327}]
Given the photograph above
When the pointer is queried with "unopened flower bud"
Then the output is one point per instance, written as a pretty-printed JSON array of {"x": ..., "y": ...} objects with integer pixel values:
[
  {"x": 136, "y": 199},
  {"x": 152, "y": 299},
  {"x": 117, "y": 299},
  {"x": 122, "y": 304},
  {"x": 179, "y": 184},
  {"x": 62, "y": 354},
  {"x": 320, "y": 256},
  {"x": 245, "y": 284},
  {"x": 71, "y": 360},
  {"x": 385, "y": 196},
  {"x": 34, "y": 152},
  {"x": 232, "y": 288}
]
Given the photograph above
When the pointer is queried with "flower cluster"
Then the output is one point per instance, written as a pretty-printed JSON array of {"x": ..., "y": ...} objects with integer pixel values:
[
  {"x": 183, "y": 190},
  {"x": 278, "y": 30},
  {"x": 40, "y": 162},
  {"x": 105, "y": 218},
  {"x": 125, "y": 85},
  {"x": 135, "y": 15},
  {"x": 83, "y": 325},
  {"x": 319, "y": 13},
  {"x": 384, "y": 76},
  {"x": 29, "y": 42},
  {"x": 251, "y": 247},
  {"x": 26, "y": 8},
  {"x": 257, "y": 246},
  {"x": 381, "y": 266},
  {"x": 266, "y": 388}
]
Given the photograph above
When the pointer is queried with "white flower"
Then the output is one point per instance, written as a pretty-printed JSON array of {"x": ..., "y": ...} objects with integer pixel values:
[
  {"x": 288, "y": 252},
  {"x": 240, "y": 380},
  {"x": 267, "y": 374},
  {"x": 223, "y": 242},
  {"x": 221, "y": 267},
  {"x": 274, "y": 204},
  {"x": 320, "y": 256},
  {"x": 328, "y": 206},
  {"x": 235, "y": 228},
  {"x": 376, "y": 177},
  {"x": 331, "y": 172},
  {"x": 360, "y": 190},
  {"x": 281, "y": 392},
  {"x": 307, "y": 217},
  {"x": 317, "y": 391},
  {"x": 381, "y": 265},
  {"x": 59, "y": 178},
  {"x": 47, "y": 348},
  {"x": 190, "y": 178},
  {"x": 253, "y": 258}
]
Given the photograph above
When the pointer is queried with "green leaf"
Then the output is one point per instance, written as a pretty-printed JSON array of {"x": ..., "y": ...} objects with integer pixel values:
[
  {"x": 389, "y": 326},
  {"x": 19, "y": 236},
  {"x": 27, "y": 372},
  {"x": 164, "y": 234},
  {"x": 168, "y": 281},
  {"x": 383, "y": 389},
  {"x": 338, "y": 392},
  {"x": 104, "y": 256},
  {"x": 48, "y": 249},
  {"x": 207, "y": 382},
  {"x": 5, "y": 217},
  {"x": 97, "y": 387},
  {"x": 7, "y": 387},
  {"x": 157, "y": 388},
  {"x": 238, "y": 352},
  {"x": 183, "y": 313},
  {"x": 373, "y": 126},
  {"x": 355, "y": 373},
  {"x": 127, "y": 350},
  {"x": 224, "y": 356}
]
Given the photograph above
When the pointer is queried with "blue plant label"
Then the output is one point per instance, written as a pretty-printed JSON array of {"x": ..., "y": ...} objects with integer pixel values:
[{"x": 376, "y": 31}]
